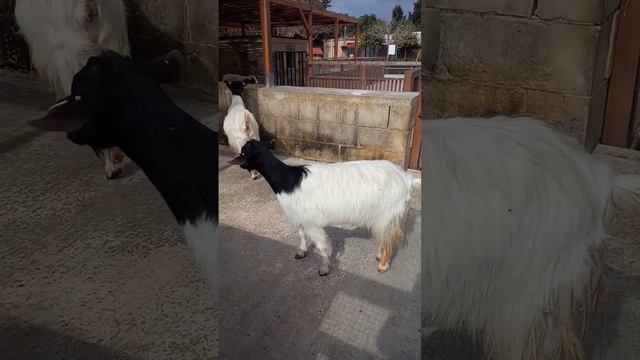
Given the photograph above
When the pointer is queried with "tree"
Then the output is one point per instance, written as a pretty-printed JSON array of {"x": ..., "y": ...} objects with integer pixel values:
[
  {"x": 414, "y": 16},
  {"x": 404, "y": 37},
  {"x": 373, "y": 37},
  {"x": 397, "y": 15},
  {"x": 366, "y": 21}
]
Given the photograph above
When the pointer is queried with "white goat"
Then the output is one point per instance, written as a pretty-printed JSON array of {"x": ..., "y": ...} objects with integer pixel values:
[
  {"x": 513, "y": 214},
  {"x": 239, "y": 125},
  {"x": 63, "y": 34},
  {"x": 373, "y": 194}
]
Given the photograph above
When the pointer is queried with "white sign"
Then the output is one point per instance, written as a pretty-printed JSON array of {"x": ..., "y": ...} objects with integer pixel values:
[{"x": 392, "y": 49}]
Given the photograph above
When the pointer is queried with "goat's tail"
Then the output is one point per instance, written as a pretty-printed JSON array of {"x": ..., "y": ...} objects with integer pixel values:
[{"x": 626, "y": 192}]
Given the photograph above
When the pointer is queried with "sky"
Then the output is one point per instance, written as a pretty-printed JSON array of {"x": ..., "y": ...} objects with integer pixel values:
[{"x": 382, "y": 8}]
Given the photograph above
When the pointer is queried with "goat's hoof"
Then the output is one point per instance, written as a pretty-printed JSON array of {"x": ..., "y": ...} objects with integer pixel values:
[
  {"x": 300, "y": 254},
  {"x": 383, "y": 267},
  {"x": 378, "y": 257},
  {"x": 113, "y": 174},
  {"x": 323, "y": 270}
]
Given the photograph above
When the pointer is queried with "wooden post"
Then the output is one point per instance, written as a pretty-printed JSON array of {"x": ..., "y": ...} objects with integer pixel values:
[
  {"x": 310, "y": 47},
  {"x": 355, "y": 51},
  {"x": 265, "y": 23},
  {"x": 619, "y": 107},
  {"x": 335, "y": 40}
]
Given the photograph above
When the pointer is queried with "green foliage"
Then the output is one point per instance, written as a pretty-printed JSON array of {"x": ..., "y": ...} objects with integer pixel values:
[
  {"x": 320, "y": 4},
  {"x": 415, "y": 16},
  {"x": 397, "y": 15},
  {"x": 403, "y": 35}
]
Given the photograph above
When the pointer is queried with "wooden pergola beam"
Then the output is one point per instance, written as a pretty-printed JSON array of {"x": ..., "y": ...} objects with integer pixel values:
[
  {"x": 321, "y": 13},
  {"x": 265, "y": 21},
  {"x": 336, "y": 35}
]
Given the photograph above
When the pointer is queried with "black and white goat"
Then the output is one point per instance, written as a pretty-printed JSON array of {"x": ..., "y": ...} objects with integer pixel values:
[
  {"x": 239, "y": 125},
  {"x": 63, "y": 34},
  {"x": 114, "y": 102},
  {"x": 514, "y": 215},
  {"x": 372, "y": 194}
]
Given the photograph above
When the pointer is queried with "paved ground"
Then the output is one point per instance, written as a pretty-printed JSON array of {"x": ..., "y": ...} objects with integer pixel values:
[
  {"x": 276, "y": 307},
  {"x": 616, "y": 333},
  {"x": 89, "y": 268}
]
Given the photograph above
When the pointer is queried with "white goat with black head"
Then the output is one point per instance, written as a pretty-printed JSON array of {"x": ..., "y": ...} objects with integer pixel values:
[
  {"x": 373, "y": 194},
  {"x": 63, "y": 34},
  {"x": 239, "y": 125},
  {"x": 114, "y": 102},
  {"x": 514, "y": 215}
]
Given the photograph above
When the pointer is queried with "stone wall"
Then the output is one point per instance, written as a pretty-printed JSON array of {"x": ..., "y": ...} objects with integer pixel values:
[
  {"x": 533, "y": 57},
  {"x": 332, "y": 124},
  {"x": 155, "y": 27}
]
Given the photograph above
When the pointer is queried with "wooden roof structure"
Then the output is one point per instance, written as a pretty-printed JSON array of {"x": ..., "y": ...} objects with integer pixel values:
[{"x": 280, "y": 13}]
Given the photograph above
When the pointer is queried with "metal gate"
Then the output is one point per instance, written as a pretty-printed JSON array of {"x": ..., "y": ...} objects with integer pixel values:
[{"x": 289, "y": 68}]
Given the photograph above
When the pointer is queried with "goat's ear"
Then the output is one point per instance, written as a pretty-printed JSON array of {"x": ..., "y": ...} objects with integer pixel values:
[
  {"x": 63, "y": 115},
  {"x": 238, "y": 160}
]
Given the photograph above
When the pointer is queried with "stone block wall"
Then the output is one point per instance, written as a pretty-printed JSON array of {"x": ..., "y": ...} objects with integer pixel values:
[
  {"x": 155, "y": 27},
  {"x": 333, "y": 124},
  {"x": 515, "y": 57}
]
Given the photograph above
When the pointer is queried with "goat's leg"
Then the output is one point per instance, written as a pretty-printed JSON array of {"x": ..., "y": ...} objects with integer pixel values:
[
  {"x": 113, "y": 158},
  {"x": 254, "y": 174},
  {"x": 301, "y": 253},
  {"x": 319, "y": 237}
]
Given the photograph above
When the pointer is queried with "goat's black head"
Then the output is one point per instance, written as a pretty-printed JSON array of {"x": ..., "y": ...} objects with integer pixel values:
[
  {"x": 102, "y": 93},
  {"x": 250, "y": 154},
  {"x": 236, "y": 86}
]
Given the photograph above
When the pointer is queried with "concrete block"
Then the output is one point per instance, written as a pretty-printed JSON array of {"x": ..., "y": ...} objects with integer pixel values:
[
  {"x": 278, "y": 104},
  {"x": 402, "y": 116},
  {"x": 448, "y": 99},
  {"x": 572, "y": 10},
  {"x": 370, "y": 114},
  {"x": 508, "y": 7},
  {"x": 565, "y": 112},
  {"x": 303, "y": 130},
  {"x": 386, "y": 140},
  {"x": 519, "y": 52},
  {"x": 310, "y": 150},
  {"x": 203, "y": 21},
  {"x": 332, "y": 111},
  {"x": 283, "y": 128},
  {"x": 431, "y": 24},
  {"x": 269, "y": 124},
  {"x": 349, "y": 153},
  {"x": 337, "y": 133},
  {"x": 168, "y": 16}
]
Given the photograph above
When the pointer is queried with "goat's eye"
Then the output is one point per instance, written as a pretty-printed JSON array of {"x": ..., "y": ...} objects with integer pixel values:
[{"x": 78, "y": 97}]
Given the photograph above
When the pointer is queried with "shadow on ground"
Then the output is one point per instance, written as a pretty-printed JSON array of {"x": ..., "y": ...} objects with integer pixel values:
[
  {"x": 23, "y": 340},
  {"x": 276, "y": 307}
]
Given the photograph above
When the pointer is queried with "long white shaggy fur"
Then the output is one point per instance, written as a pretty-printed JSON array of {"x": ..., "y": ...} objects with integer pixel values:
[
  {"x": 372, "y": 194},
  {"x": 240, "y": 125},
  {"x": 62, "y": 38},
  {"x": 202, "y": 240},
  {"x": 512, "y": 210}
]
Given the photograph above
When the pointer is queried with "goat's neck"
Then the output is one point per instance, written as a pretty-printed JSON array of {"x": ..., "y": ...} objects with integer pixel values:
[
  {"x": 236, "y": 100},
  {"x": 280, "y": 176},
  {"x": 188, "y": 191}
]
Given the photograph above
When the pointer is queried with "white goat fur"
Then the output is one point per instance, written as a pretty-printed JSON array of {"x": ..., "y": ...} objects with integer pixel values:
[
  {"x": 61, "y": 40},
  {"x": 240, "y": 125},
  {"x": 513, "y": 209},
  {"x": 373, "y": 194}
]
